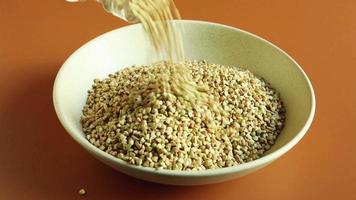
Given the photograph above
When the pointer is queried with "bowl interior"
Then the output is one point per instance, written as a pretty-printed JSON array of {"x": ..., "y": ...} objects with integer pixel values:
[{"x": 214, "y": 43}]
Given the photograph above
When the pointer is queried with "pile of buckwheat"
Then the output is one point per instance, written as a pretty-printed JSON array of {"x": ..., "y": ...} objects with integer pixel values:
[{"x": 142, "y": 116}]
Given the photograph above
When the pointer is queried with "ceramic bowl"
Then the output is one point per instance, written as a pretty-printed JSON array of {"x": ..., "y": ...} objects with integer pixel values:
[{"x": 215, "y": 43}]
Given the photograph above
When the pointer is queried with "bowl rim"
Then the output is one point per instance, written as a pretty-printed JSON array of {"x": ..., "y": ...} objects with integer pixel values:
[{"x": 76, "y": 135}]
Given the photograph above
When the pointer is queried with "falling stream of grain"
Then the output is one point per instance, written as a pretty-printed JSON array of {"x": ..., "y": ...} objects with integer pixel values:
[
  {"x": 156, "y": 17},
  {"x": 165, "y": 36}
]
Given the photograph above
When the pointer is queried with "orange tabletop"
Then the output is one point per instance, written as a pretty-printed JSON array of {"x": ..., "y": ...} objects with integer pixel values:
[{"x": 39, "y": 160}]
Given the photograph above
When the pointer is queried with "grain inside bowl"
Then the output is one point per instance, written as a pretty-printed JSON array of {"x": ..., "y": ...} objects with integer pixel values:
[
  {"x": 186, "y": 116},
  {"x": 137, "y": 116}
]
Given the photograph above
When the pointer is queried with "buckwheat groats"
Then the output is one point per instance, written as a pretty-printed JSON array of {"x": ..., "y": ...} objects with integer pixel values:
[{"x": 222, "y": 116}]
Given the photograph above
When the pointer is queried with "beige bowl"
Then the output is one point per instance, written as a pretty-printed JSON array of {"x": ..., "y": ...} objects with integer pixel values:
[{"x": 203, "y": 40}]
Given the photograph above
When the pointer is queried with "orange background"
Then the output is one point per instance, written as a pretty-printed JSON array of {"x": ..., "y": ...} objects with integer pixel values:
[{"x": 38, "y": 160}]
